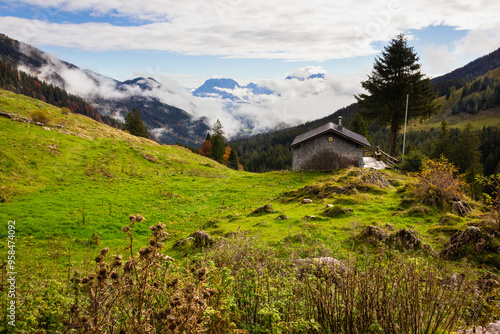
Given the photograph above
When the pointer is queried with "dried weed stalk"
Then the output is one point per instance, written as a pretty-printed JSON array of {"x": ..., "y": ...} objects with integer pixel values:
[{"x": 144, "y": 294}]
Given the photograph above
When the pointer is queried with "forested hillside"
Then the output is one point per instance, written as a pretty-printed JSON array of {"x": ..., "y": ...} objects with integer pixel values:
[
  {"x": 110, "y": 99},
  {"x": 22, "y": 83},
  {"x": 477, "y": 95},
  {"x": 469, "y": 72}
]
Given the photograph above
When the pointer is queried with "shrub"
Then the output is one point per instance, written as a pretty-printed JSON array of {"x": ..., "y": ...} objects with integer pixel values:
[
  {"x": 40, "y": 116},
  {"x": 438, "y": 183},
  {"x": 413, "y": 161},
  {"x": 65, "y": 111},
  {"x": 493, "y": 200}
]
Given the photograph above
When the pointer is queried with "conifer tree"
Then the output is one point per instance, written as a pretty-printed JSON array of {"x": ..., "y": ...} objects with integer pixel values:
[
  {"x": 395, "y": 74},
  {"x": 134, "y": 124},
  {"x": 218, "y": 142},
  {"x": 467, "y": 156},
  {"x": 442, "y": 145},
  {"x": 233, "y": 159},
  {"x": 358, "y": 125}
]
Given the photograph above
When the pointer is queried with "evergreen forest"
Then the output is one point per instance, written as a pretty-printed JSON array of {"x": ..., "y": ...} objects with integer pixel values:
[{"x": 23, "y": 83}]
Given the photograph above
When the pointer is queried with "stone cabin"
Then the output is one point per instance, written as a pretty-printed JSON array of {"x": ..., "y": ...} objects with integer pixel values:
[{"x": 328, "y": 147}]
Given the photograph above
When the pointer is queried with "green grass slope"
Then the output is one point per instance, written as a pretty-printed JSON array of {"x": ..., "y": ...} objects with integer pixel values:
[{"x": 85, "y": 178}]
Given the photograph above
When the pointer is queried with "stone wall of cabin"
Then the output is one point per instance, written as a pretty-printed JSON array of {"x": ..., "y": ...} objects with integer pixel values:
[{"x": 319, "y": 154}]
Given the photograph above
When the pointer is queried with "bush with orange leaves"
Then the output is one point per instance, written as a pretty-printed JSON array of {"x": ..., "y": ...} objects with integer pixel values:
[{"x": 438, "y": 183}]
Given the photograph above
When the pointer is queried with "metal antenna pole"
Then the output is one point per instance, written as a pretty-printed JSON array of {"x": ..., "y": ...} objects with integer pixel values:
[{"x": 404, "y": 134}]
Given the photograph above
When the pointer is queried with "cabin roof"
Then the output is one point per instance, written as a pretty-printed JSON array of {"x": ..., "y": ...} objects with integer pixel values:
[{"x": 333, "y": 128}]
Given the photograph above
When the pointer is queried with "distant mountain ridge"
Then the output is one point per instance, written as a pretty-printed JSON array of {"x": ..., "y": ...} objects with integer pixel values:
[
  {"x": 108, "y": 96},
  {"x": 144, "y": 83},
  {"x": 224, "y": 88},
  {"x": 472, "y": 70},
  {"x": 229, "y": 89},
  {"x": 312, "y": 76},
  {"x": 20, "y": 82}
]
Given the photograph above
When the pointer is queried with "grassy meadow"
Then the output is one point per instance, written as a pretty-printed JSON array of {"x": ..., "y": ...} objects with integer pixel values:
[{"x": 71, "y": 188}]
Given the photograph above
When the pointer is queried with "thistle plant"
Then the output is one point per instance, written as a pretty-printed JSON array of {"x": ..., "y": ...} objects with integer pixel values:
[{"x": 142, "y": 294}]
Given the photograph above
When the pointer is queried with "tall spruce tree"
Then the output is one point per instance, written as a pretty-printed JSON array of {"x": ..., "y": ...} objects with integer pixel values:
[
  {"x": 467, "y": 157},
  {"x": 466, "y": 153},
  {"x": 442, "y": 145},
  {"x": 233, "y": 159},
  {"x": 134, "y": 124},
  {"x": 218, "y": 141},
  {"x": 395, "y": 74},
  {"x": 358, "y": 125}
]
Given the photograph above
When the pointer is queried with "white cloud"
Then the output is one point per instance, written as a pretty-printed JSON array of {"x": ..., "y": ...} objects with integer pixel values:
[
  {"x": 439, "y": 60},
  {"x": 478, "y": 42},
  {"x": 299, "y": 30},
  {"x": 306, "y": 72},
  {"x": 158, "y": 133}
]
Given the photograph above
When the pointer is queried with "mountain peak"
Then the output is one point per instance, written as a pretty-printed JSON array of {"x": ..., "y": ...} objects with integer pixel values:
[
  {"x": 143, "y": 83},
  {"x": 221, "y": 88},
  {"x": 220, "y": 83},
  {"x": 216, "y": 87},
  {"x": 302, "y": 78}
]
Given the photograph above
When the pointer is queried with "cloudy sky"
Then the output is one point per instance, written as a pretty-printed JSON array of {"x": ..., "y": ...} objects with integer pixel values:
[{"x": 189, "y": 41}]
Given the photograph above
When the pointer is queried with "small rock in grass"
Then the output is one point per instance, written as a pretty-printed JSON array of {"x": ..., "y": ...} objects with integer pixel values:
[{"x": 262, "y": 210}]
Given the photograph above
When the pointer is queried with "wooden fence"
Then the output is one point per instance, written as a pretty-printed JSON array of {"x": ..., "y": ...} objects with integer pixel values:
[{"x": 380, "y": 155}]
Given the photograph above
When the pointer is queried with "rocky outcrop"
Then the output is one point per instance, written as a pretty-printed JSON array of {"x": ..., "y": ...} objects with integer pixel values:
[
  {"x": 337, "y": 210},
  {"x": 262, "y": 210},
  {"x": 488, "y": 282},
  {"x": 406, "y": 239},
  {"x": 198, "y": 239},
  {"x": 403, "y": 239},
  {"x": 462, "y": 208},
  {"x": 373, "y": 232},
  {"x": 470, "y": 240},
  {"x": 374, "y": 177}
]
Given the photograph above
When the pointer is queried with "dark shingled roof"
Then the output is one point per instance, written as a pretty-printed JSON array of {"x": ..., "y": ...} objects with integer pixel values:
[{"x": 334, "y": 128}]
